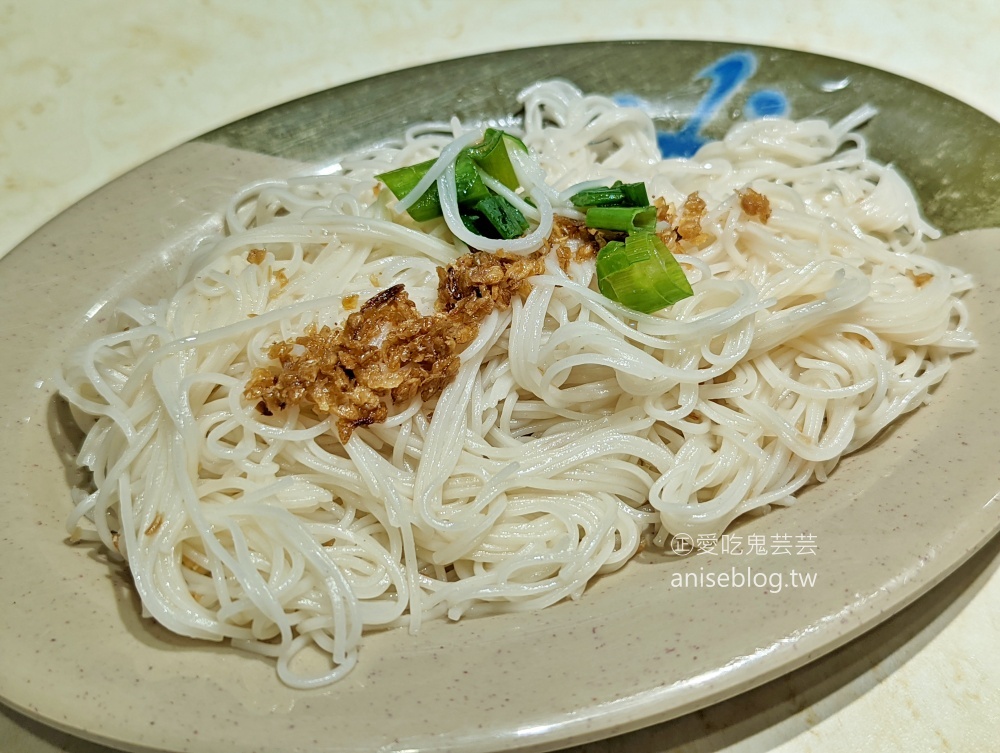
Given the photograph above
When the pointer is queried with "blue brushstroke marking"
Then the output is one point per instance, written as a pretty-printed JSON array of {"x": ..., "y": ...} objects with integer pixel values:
[
  {"x": 629, "y": 100},
  {"x": 726, "y": 75},
  {"x": 767, "y": 103}
]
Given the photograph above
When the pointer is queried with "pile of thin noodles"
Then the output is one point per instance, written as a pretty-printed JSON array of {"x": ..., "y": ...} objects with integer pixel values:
[{"x": 575, "y": 429}]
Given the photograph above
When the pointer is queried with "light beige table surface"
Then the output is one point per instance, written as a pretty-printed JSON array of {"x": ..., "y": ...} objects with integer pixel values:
[{"x": 90, "y": 89}]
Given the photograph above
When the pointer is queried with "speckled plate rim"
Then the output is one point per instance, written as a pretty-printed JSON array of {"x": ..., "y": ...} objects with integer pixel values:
[{"x": 76, "y": 655}]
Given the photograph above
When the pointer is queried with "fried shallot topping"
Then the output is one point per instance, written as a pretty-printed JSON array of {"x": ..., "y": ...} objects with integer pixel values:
[
  {"x": 755, "y": 205},
  {"x": 279, "y": 278},
  {"x": 665, "y": 212},
  {"x": 155, "y": 526},
  {"x": 572, "y": 241},
  {"x": 919, "y": 279},
  {"x": 689, "y": 226},
  {"x": 494, "y": 277},
  {"x": 388, "y": 351}
]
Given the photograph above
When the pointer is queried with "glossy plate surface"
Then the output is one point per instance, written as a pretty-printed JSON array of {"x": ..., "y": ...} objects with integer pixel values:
[{"x": 893, "y": 520}]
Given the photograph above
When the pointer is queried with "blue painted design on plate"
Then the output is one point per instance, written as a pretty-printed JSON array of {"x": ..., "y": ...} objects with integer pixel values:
[
  {"x": 767, "y": 103},
  {"x": 726, "y": 76}
]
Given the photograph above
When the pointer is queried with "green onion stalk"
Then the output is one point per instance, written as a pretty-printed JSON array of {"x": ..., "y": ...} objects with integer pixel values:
[
  {"x": 641, "y": 273},
  {"x": 447, "y": 157},
  {"x": 448, "y": 195},
  {"x": 502, "y": 190}
]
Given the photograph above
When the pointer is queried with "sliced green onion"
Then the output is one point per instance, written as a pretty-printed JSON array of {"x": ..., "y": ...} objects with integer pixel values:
[
  {"x": 618, "y": 195},
  {"x": 514, "y": 141},
  {"x": 493, "y": 157},
  {"x": 635, "y": 194},
  {"x": 505, "y": 220},
  {"x": 471, "y": 220},
  {"x": 641, "y": 273},
  {"x": 402, "y": 180},
  {"x": 611, "y": 259},
  {"x": 622, "y": 219},
  {"x": 469, "y": 185}
]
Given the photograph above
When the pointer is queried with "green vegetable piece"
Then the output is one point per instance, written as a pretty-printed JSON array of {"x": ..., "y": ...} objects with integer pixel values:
[
  {"x": 403, "y": 180},
  {"x": 641, "y": 273},
  {"x": 618, "y": 195},
  {"x": 611, "y": 258},
  {"x": 503, "y": 218},
  {"x": 492, "y": 155},
  {"x": 622, "y": 219},
  {"x": 471, "y": 220},
  {"x": 635, "y": 194},
  {"x": 468, "y": 183}
]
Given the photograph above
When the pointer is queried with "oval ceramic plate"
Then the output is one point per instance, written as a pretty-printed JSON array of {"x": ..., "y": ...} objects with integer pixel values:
[{"x": 646, "y": 644}]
